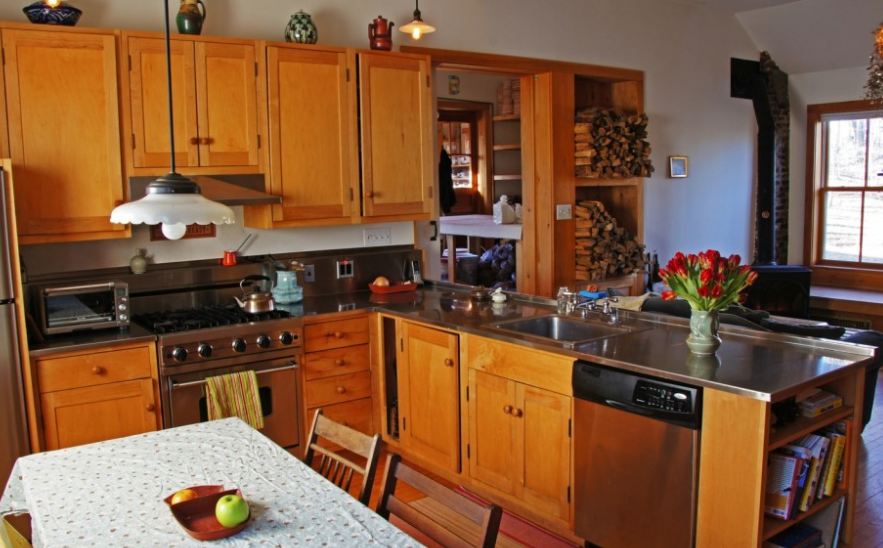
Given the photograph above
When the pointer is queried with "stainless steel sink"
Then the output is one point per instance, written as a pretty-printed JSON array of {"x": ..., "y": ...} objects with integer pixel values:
[{"x": 566, "y": 331}]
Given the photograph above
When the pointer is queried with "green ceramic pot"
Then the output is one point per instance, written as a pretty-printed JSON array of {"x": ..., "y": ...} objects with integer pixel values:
[
  {"x": 191, "y": 16},
  {"x": 301, "y": 29},
  {"x": 704, "y": 326}
]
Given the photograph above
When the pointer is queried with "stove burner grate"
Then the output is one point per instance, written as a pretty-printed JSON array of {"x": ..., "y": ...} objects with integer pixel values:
[{"x": 176, "y": 321}]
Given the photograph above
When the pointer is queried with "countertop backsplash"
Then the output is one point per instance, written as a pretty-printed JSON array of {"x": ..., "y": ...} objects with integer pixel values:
[{"x": 69, "y": 257}]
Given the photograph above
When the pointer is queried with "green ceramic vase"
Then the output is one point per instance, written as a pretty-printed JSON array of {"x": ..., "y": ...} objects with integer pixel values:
[
  {"x": 191, "y": 16},
  {"x": 703, "y": 339},
  {"x": 301, "y": 29}
]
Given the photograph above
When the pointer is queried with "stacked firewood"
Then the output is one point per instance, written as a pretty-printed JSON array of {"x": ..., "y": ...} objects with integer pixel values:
[
  {"x": 603, "y": 248},
  {"x": 610, "y": 144}
]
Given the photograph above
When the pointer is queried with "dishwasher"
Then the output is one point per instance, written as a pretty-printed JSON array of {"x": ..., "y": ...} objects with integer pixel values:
[{"x": 636, "y": 458}]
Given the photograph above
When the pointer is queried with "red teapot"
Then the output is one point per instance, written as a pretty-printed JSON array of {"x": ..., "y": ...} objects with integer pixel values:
[{"x": 380, "y": 33}]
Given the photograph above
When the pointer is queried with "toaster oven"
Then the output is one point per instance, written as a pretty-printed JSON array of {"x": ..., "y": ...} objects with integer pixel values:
[{"x": 64, "y": 309}]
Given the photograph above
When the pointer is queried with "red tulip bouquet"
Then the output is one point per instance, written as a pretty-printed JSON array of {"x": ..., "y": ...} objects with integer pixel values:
[{"x": 709, "y": 283}]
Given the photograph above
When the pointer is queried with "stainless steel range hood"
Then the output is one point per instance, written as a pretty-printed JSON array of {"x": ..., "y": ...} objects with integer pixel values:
[{"x": 228, "y": 189}]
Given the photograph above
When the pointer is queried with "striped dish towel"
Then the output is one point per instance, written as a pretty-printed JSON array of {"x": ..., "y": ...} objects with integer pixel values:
[{"x": 234, "y": 395}]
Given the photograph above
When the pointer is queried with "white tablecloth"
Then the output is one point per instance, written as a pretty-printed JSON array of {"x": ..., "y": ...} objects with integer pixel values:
[{"x": 110, "y": 493}]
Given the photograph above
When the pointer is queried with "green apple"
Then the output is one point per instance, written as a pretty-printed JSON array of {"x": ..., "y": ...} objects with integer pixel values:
[{"x": 231, "y": 510}]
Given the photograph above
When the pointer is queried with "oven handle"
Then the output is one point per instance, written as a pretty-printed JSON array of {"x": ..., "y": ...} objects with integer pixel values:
[{"x": 177, "y": 385}]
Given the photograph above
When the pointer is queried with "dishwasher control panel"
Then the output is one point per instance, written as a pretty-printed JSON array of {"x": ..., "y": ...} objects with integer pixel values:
[{"x": 663, "y": 396}]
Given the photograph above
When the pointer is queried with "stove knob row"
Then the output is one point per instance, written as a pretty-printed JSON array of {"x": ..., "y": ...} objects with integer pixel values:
[
  {"x": 239, "y": 345},
  {"x": 179, "y": 354},
  {"x": 286, "y": 337},
  {"x": 263, "y": 341},
  {"x": 204, "y": 350}
]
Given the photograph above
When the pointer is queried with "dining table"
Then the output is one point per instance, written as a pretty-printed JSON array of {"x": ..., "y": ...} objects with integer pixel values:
[{"x": 111, "y": 493}]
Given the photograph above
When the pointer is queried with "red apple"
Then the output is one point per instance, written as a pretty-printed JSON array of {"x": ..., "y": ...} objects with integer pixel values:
[{"x": 231, "y": 510}]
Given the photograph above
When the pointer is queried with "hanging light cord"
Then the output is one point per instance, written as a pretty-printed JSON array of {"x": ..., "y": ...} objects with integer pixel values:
[{"x": 169, "y": 85}]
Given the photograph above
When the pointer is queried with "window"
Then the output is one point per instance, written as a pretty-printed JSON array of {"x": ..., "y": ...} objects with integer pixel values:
[
  {"x": 457, "y": 141},
  {"x": 846, "y": 180}
]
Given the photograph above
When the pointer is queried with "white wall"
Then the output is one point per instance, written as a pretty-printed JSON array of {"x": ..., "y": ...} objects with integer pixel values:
[
  {"x": 830, "y": 86},
  {"x": 683, "y": 47}
]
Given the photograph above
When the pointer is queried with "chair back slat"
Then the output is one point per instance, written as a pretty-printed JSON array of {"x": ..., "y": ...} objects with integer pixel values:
[
  {"x": 487, "y": 517},
  {"x": 336, "y": 468}
]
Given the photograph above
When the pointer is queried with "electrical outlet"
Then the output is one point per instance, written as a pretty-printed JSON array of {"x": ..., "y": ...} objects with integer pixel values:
[
  {"x": 381, "y": 235},
  {"x": 563, "y": 212},
  {"x": 345, "y": 268},
  {"x": 309, "y": 273}
]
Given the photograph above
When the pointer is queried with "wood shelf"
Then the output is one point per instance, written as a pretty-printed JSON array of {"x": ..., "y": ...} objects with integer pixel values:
[
  {"x": 500, "y": 148},
  {"x": 590, "y": 182},
  {"x": 507, "y": 177},
  {"x": 773, "y": 526},
  {"x": 804, "y": 425},
  {"x": 507, "y": 117}
]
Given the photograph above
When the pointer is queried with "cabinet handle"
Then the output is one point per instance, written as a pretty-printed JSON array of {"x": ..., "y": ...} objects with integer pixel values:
[
  {"x": 518, "y": 412},
  {"x": 507, "y": 409},
  {"x": 194, "y": 140},
  {"x": 449, "y": 362},
  {"x": 336, "y": 335},
  {"x": 370, "y": 194},
  {"x": 98, "y": 370},
  {"x": 339, "y": 362},
  {"x": 150, "y": 407},
  {"x": 206, "y": 141},
  {"x": 341, "y": 390}
]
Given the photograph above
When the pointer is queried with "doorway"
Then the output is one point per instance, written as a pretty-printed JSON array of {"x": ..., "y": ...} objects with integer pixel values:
[{"x": 464, "y": 133}]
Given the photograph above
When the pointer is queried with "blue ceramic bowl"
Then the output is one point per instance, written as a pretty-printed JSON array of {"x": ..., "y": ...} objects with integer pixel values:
[{"x": 39, "y": 12}]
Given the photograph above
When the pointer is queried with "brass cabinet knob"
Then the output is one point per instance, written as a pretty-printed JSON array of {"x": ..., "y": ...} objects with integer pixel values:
[
  {"x": 339, "y": 362},
  {"x": 150, "y": 407},
  {"x": 449, "y": 362},
  {"x": 194, "y": 140},
  {"x": 98, "y": 370},
  {"x": 518, "y": 412},
  {"x": 341, "y": 390},
  {"x": 507, "y": 409},
  {"x": 336, "y": 335}
]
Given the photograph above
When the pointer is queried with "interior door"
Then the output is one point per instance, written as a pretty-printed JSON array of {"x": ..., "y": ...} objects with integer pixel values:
[
  {"x": 150, "y": 102},
  {"x": 227, "y": 103},
  {"x": 313, "y": 150},
  {"x": 492, "y": 454},
  {"x": 396, "y": 134}
]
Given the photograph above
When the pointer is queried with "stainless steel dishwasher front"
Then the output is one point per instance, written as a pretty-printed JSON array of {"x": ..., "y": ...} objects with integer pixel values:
[{"x": 636, "y": 458}]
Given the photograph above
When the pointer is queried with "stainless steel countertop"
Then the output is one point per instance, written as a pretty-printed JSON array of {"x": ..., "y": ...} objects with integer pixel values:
[{"x": 750, "y": 363}]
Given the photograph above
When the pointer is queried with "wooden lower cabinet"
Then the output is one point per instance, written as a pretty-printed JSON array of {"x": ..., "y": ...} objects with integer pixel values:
[
  {"x": 520, "y": 442},
  {"x": 98, "y": 394},
  {"x": 428, "y": 391}
]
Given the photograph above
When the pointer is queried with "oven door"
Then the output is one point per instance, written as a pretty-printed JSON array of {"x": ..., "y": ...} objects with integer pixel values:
[{"x": 277, "y": 386}]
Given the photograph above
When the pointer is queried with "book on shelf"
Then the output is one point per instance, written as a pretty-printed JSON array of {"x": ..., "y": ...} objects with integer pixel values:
[
  {"x": 835, "y": 460},
  {"x": 819, "y": 447},
  {"x": 799, "y": 535},
  {"x": 817, "y": 401},
  {"x": 781, "y": 488},
  {"x": 804, "y": 455},
  {"x": 829, "y": 521}
]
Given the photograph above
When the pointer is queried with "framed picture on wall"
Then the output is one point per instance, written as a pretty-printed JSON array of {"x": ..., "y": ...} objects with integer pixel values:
[{"x": 678, "y": 166}]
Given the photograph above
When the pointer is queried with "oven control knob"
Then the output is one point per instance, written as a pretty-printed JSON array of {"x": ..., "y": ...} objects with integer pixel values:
[
  {"x": 179, "y": 354},
  {"x": 205, "y": 350},
  {"x": 263, "y": 341},
  {"x": 286, "y": 337},
  {"x": 239, "y": 345}
]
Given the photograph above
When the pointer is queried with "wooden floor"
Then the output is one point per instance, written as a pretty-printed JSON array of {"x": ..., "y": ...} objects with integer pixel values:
[{"x": 869, "y": 498}]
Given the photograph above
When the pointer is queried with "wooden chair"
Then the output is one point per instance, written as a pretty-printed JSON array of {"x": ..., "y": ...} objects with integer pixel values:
[
  {"x": 486, "y": 518},
  {"x": 17, "y": 529},
  {"x": 337, "y": 468}
]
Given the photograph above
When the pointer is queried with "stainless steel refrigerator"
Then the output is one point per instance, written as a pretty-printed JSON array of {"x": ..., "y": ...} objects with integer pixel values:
[{"x": 13, "y": 429}]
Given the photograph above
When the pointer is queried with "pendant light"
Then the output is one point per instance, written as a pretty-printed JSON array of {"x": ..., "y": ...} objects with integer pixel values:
[
  {"x": 417, "y": 27},
  {"x": 173, "y": 200}
]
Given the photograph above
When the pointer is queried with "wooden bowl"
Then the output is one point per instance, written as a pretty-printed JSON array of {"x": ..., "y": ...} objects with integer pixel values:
[
  {"x": 197, "y": 516},
  {"x": 393, "y": 288}
]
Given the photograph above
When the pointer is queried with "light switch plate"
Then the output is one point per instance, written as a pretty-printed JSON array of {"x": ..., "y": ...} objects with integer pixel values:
[
  {"x": 309, "y": 273},
  {"x": 563, "y": 212},
  {"x": 345, "y": 268}
]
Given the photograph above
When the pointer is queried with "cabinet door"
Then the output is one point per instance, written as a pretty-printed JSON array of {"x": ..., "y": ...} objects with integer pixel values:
[
  {"x": 543, "y": 438},
  {"x": 429, "y": 395},
  {"x": 492, "y": 448},
  {"x": 98, "y": 413},
  {"x": 4, "y": 129},
  {"x": 313, "y": 156},
  {"x": 396, "y": 134},
  {"x": 64, "y": 131},
  {"x": 150, "y": 103},
  {"x": 226, "y": 95}
]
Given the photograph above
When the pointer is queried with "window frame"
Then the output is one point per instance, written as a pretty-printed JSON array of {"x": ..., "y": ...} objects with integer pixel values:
[{"x": 826, "y": 271}]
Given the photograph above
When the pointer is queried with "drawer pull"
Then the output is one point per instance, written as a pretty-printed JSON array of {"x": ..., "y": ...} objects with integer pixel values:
[
  {"x": 518, "y": 412},
  {"x": 150, "y": 407},
  {"x": 194, "y": 140},
  {"x": 341, "y": 390},
  {"x": 336, "y": 335},
  {"x": 449, "y": 362},
  {"x": 338, "y": 362},
  {"x": 507, "y": 409},
  {"x": 98, "y": 370}
]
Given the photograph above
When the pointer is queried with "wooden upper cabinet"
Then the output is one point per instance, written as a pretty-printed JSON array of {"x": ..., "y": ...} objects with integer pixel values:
[
  {"x": 428, "y": 387},
  {"x": 214, "y": 85},
  {"x": 396, "y": 134},
  {"x": 313, "y": 150},
  {"x": 64, "y": 127},
  {"x": 4, "y": 129}
]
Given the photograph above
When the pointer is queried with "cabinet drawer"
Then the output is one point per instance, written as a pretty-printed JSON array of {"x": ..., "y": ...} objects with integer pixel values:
[
  {"x": 521, "y": 364},
  {"x": 354, "y": 414},
  {"x": 322, "y": 336},
  {"x": 68, "y": 372},
  {"x": 341, "y": 388},
  {"x": 338, "y": 361}
]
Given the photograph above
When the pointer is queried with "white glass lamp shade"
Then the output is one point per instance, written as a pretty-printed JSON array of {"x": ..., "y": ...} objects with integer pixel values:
[
  {"x": 417, "y": 28},
  {"x": 174, "y": 211}
]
